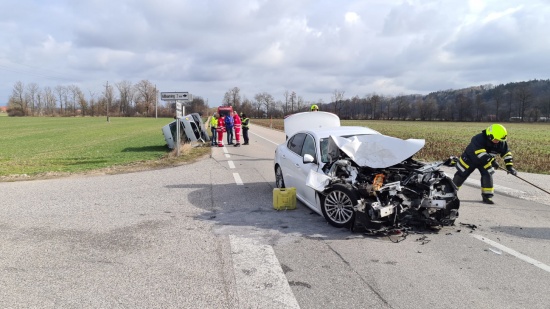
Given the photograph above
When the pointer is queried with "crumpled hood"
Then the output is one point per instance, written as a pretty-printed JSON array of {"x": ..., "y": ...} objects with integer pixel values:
[{"x": 374, "y": 151}]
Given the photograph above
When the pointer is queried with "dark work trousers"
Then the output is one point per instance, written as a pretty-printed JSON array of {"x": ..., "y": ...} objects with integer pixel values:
[
  {"x": 245, "y": 135},
  {"x": 214, "y": 135},
  {"x": 464, "y": 171},
  {"x": 229, "y": 135}
]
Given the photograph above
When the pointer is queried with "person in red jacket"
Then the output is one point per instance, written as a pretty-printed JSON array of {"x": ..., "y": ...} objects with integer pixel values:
[
  {"x": 220, "y": 129},
  {"x": 237, "y": 123}
]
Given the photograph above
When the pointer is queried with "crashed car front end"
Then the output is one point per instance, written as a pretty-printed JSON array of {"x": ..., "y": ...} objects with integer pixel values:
[{"x": 389, "y": 190}]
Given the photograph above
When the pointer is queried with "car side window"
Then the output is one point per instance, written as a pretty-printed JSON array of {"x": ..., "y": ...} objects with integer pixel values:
[
  {"x": 309, "y": 146},
  {"x": 296, "y": 142}
]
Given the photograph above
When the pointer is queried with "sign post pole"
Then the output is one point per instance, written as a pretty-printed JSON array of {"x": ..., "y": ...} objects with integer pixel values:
[
  {"x": 177, "y": 97},
  {"x": 178, "y": 136}
]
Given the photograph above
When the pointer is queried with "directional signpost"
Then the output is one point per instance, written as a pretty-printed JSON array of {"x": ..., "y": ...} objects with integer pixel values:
[{"x": 179, "y": 98}]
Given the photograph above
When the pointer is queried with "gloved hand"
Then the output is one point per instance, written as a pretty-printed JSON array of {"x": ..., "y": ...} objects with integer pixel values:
[
  {"x": 512, "y": 171},
  {"x": 495, "y": 164}
]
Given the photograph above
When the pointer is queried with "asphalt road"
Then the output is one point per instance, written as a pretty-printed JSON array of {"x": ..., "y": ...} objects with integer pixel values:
[{"x": 205, "y": 235}]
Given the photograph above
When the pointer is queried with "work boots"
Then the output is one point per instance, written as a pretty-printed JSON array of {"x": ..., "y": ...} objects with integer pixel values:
[{"x": 488, "y": 199}]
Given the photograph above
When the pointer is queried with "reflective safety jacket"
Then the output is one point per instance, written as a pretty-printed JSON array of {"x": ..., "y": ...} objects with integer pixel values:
[
  {"x": 246, "y": 122},
  {"x": 214, "y": 122},
  {"x": 482, "y": 151}
]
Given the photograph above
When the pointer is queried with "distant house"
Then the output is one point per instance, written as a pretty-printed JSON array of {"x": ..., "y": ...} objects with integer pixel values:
[{"x": 3, "y": 109}]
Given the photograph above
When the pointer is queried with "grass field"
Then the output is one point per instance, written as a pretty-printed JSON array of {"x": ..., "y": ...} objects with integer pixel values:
[
  {"x": 529, "y": 142},
  {"x": 38, "y": 146},
  {"x": 45, "y": 145}
]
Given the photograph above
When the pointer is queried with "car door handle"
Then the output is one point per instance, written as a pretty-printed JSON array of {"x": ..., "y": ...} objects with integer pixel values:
[{"x": 297, "y": 165}]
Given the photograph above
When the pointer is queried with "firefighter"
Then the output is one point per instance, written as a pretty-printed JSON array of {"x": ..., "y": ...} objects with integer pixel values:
[
  {"x": 237, "y": 123},
  {"x": 214, "y": 128},
  {"x": 314, "y": 108},
  {"x": 219, "y": 130},
  {"x": 480, "y": 154}
]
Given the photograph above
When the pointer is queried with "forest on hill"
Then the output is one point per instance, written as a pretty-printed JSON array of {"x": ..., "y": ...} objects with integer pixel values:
[{"x": 527, "y": 101}]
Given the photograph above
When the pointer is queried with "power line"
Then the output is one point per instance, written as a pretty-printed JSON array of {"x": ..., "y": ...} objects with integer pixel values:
[{"x": 35, "y": 72}]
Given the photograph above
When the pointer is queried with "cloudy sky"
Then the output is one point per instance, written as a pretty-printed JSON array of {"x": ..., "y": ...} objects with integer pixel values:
[{"x": 312, "y": 47}]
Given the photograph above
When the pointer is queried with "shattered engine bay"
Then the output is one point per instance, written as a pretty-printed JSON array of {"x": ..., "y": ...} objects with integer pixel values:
[{"x": 407, "y": 195}]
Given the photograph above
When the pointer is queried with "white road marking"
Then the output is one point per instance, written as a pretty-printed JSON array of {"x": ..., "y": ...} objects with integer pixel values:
[
  {"x": 265, "y": 138},
  {"x": 238, "y": 180},
  {"x": 224, "y": 149},
  {"x": 260, "y": 280},
  {"x": 231, "y": 164},
  {"x": 513, "y": 252}
]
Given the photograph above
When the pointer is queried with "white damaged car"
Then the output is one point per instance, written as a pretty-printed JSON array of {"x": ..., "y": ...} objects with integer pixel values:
[{"x": 360, "y": 179}]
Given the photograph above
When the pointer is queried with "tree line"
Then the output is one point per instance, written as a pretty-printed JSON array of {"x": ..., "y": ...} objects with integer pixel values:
[
  {"x": 122, "y": 99},
  {"x": 519, "y": 101}
]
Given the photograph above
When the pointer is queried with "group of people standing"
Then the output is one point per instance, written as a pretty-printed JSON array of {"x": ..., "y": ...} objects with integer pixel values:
[{"x": 229, "y": 123}]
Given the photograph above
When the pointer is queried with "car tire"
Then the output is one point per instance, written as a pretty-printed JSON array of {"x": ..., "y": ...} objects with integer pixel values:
[
  {"x": 337, "y": 206},
  {"x": 279, "y": 180}
]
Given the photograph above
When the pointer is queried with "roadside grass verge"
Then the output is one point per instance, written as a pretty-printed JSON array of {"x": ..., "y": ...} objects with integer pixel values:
[
  {"x": 529, "y": 142},
  {"x": 35, "y": 147}
]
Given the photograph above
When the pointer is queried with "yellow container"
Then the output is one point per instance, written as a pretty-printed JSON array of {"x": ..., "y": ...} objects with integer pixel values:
[{"x": 284, "y": 198}]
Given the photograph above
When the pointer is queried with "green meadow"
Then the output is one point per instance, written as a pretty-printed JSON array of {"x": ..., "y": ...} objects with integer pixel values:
[
  {"x": 58, "y": 145},
  {"x": 36, "y": 146},
  {"x": 529, "y": 142}
]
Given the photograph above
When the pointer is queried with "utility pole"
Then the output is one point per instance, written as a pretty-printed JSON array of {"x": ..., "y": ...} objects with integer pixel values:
[
  {"x": 107, "y": 96},
  {"x": 156, "y": 96}
]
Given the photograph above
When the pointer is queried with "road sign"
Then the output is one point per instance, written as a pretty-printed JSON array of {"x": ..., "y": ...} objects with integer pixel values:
[{"x": 171, "y": 96}]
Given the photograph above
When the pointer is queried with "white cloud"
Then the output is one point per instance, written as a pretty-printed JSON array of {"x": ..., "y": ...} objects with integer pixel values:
[
  {"x": 351, "y": 18},
  {"x": 311, "y": 47}
]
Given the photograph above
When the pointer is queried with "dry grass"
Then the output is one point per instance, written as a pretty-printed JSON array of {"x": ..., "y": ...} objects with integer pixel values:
[{"x": 529, "y": 142}]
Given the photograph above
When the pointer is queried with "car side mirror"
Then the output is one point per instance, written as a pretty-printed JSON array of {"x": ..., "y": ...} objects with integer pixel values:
[{"x": 308, "y": 158}]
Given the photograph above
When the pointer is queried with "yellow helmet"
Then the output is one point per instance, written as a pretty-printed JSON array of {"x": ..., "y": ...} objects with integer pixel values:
[
  {"x": 496, "y": 132},
  {"x": 314, "y": 107}
]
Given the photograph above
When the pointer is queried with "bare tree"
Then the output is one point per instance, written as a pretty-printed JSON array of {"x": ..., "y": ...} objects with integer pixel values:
[
  {"x": 524, "y": 97},
  {"x": 146, "y": 96},
  {"x": 32, "y": 93},
  {"x": 18, "y": 102},
  {"x": 389, "y": 102},
  {"x": 93, "y": 104},
  {"x": 286, "y": 95},
  {"x": 293, "y": 102},
  {"x": 76, "y": 95},
  {"x": 49, "y": 101},
  {"x": 247, "y": 107},
  {"x": 233, "y": 98},
  {"x": 61, "y": 92},
  {"x": 264, "y": 99},
  {"x": 375, "y": 102},
  {"x": 499, "y": 100},
  {"x": 480, "y": 108},
  {"x": 81, "y": 101},
  {"x": 126, "y": 93},
  {"x": 426, "y": 108},
  {"x": 337, "y": 99},
  {"x": 355, "y": 107},
  {"x": 300, "y": 103}
]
